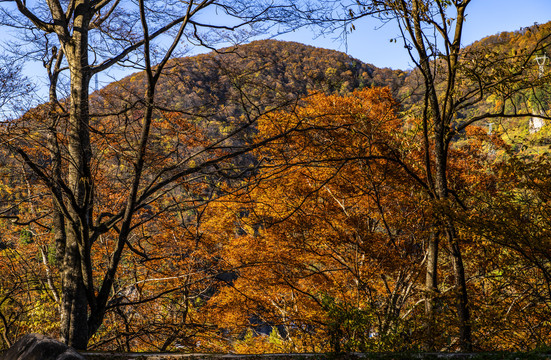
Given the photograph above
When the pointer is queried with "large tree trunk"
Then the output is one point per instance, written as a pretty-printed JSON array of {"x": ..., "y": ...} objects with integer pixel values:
[
  {"x": 463, "y": 315},
  {"x": 74, "y": 305},
  {"x": 76, "y": 272}
]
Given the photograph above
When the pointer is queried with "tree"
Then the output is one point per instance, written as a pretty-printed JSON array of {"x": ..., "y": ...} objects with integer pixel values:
[
  {"x": 15, "y": 89},
  {"x": 328, "y": 251},
  {"x": 84, "y": 38},
  {"x": 452, "y": 81},
  {"x": 511, "y": 224}
]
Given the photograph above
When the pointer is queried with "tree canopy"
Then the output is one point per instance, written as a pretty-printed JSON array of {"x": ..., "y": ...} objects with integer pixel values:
[{"x": 274, "y": 197}]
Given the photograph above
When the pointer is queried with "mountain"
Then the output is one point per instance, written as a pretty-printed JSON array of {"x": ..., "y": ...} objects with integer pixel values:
[
  {"x": 175, "y": 252},
  {"x": 527, "y": 46},
  {"x": 500, "y": 64},
  {"x": 230, "y": 82}
]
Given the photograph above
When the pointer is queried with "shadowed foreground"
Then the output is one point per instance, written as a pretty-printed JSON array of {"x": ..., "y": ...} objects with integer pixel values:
[{"x": 347, "y": 356}]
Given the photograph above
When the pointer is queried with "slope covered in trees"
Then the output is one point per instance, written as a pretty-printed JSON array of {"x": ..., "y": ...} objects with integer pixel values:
[
  {"x": 264, "y": 73},
  {"x": 512, "y": 54},
  {"x": 204, "y": 122},
  {"x": 286, "y": 202}
]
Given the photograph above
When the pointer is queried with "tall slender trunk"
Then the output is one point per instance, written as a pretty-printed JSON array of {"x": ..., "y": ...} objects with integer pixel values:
[
  {"x": 431, "y": 284},
  {"x": 463, "y": 311},
  {"x": 463, "y": 314},
  {"x": 58, "y": 222},
  {"x": 438, "y": 179},
  {"x": 75, "y": 272},
  {"x": 441, "y": 121}
]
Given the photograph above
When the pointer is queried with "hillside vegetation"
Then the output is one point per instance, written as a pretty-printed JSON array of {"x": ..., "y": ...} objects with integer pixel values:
[{"x": 285, "y": 205}]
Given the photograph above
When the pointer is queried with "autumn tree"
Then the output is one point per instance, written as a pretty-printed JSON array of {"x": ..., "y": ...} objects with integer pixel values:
[
  {"x": 327, "y": 248},
  {"x": 511, "y": 226},
  {"x": 451, "y": 82},
  {"x": 27, "y": 299},
  {"x": 85, "y": 38}
]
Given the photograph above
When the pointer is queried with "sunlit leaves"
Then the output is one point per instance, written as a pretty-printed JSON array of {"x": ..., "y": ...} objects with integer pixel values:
[{"x": 329, "y": 233}]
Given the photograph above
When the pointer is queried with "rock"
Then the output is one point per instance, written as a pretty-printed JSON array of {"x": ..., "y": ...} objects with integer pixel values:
[{"x": 40, "y": 347}]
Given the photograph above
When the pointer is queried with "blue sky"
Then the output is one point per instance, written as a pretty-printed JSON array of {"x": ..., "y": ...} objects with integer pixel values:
[
  {"x": 371, "y": 45},
  {"x": 484, "y": 17}
]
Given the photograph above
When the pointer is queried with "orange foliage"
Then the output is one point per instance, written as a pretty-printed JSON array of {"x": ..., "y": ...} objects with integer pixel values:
[{"x": 330, "y": 242}]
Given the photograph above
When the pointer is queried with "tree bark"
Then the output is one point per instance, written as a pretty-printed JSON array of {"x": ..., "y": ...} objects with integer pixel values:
[
  {"x": 74, "y": 305},
  {"x": 431, "y": 283},
  {"x": 463, "y": 311},
  {"x": 76, "y": 274},
  {"x": 441, "y": 113}
]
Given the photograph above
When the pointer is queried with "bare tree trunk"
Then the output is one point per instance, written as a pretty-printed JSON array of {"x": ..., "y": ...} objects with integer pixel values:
[
  {"x": 76, "y": 273},
  {"x": 463, "y": 313},
  {"x": 431, "y": 283},
  {"x": 74, "y": 305},
  {"x": 441, "y": 117}
]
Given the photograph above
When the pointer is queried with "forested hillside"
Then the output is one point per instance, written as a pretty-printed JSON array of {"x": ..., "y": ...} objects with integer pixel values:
[
  {"x": 276, "y": 197},
  {"x": 270, "y": 73},
  {"x": 207, "y": 104},
  {"x": 523, "y": 131},
  {"x": 489, "y": 59}
]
